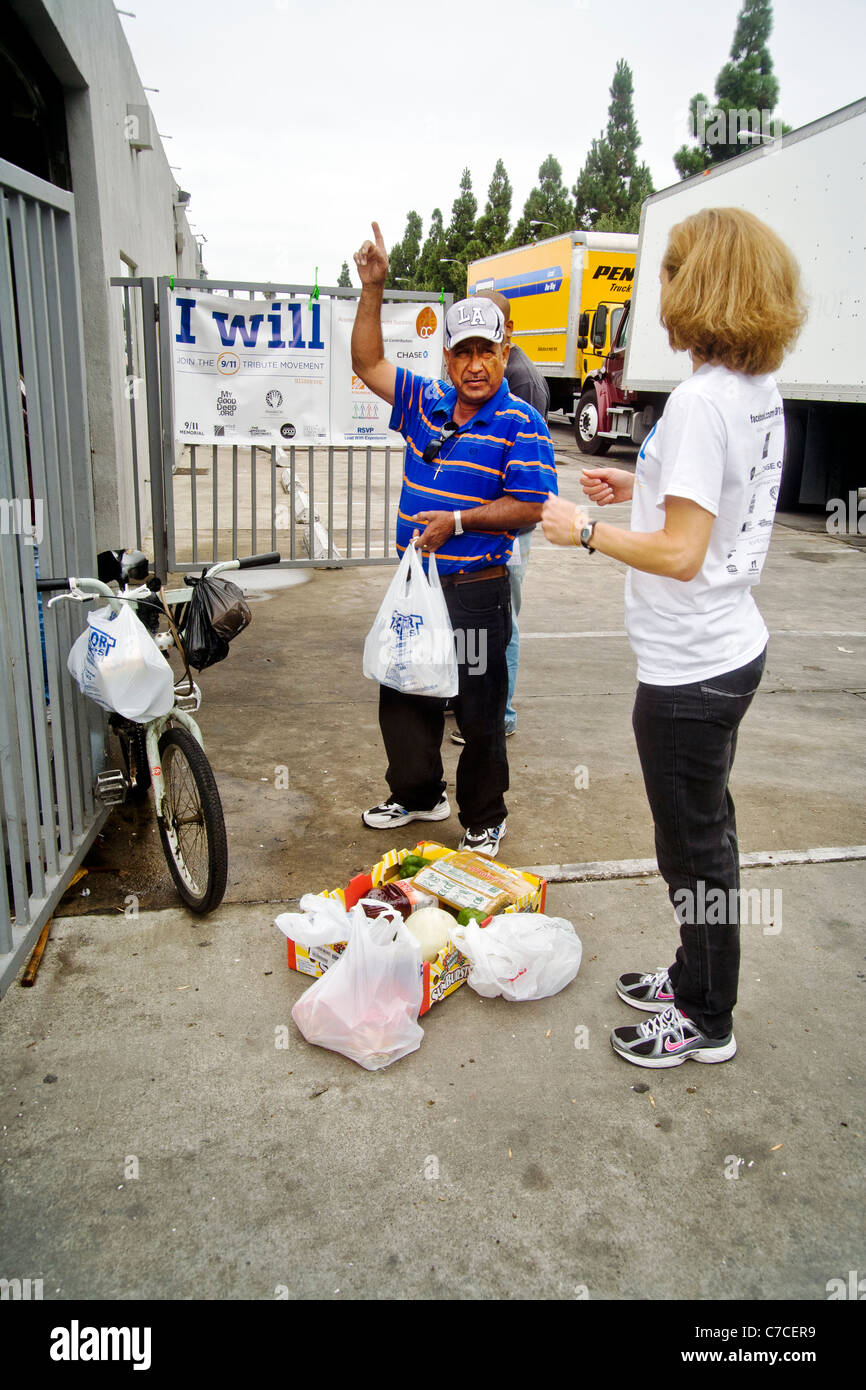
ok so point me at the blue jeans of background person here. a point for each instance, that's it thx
(412, 725)
(516, 575)
(686, 740)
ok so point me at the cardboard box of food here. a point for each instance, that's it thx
(467, 880)
(450, 968)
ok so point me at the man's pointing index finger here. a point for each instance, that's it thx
(380, 240)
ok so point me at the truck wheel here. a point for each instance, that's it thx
(586, 425)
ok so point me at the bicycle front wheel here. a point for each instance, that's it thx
(192, 828)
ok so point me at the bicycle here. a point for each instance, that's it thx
(167, 753)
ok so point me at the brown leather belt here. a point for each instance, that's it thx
(471, 576)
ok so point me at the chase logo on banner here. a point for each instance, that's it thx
(411, 337)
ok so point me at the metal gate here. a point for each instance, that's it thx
(49, 737)
(319, 506)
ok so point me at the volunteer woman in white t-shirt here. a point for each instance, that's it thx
(704, 495)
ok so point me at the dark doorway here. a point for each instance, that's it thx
(32, 106)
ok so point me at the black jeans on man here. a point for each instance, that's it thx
(412, 725)
(686, 739)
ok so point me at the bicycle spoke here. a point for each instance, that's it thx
(184, 810)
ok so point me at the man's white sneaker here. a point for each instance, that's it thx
(484, 841)
(391, 813)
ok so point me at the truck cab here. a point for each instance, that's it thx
(603, 412)
(596, 335)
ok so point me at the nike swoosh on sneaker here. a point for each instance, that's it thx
(675, 1047)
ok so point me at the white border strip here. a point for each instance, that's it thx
(774, 632)
(607, 870)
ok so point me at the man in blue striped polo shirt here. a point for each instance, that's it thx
(479, 466)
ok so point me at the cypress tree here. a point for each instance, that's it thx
(491, 229)
(428, 275)
(746, 96)
(547, 203)
(403, 258)
(458, 237)
(612, 183)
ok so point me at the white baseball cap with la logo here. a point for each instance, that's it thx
(474, 318)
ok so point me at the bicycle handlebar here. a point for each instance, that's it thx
(272, 557)
(96, 587)
(46, 586)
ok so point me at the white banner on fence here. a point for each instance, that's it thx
(412, 334)
(250, 371)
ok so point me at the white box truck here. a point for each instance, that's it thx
(810, 187)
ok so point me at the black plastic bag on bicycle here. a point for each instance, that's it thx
(217, 612)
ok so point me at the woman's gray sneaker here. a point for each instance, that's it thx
(654, 993)
(668, 1040)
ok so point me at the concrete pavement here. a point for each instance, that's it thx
(159, 1142)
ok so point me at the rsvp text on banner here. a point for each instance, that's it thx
(250, 371)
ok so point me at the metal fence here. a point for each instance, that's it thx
(141, 364)
(327, 506)
(50, 738)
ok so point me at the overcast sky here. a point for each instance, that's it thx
(296, 123)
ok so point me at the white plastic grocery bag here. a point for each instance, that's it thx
(411, 644)
(117, 663)
(366, 1004)
(322, 921)
(520, 955)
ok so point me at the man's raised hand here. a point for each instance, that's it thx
(372, 259)
(368, 350)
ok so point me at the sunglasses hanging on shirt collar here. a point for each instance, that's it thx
(431, 453)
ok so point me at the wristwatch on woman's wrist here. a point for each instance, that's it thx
(586, 536)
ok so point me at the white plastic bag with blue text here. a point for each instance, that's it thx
(117, 663)
(410, 646)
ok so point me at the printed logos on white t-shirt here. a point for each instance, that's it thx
(762, 491)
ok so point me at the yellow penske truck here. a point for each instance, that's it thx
(567, 296)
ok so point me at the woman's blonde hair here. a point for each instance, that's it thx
(734, 293)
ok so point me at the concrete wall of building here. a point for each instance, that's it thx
(128, 222)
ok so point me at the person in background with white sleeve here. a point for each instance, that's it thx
(703, 500)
